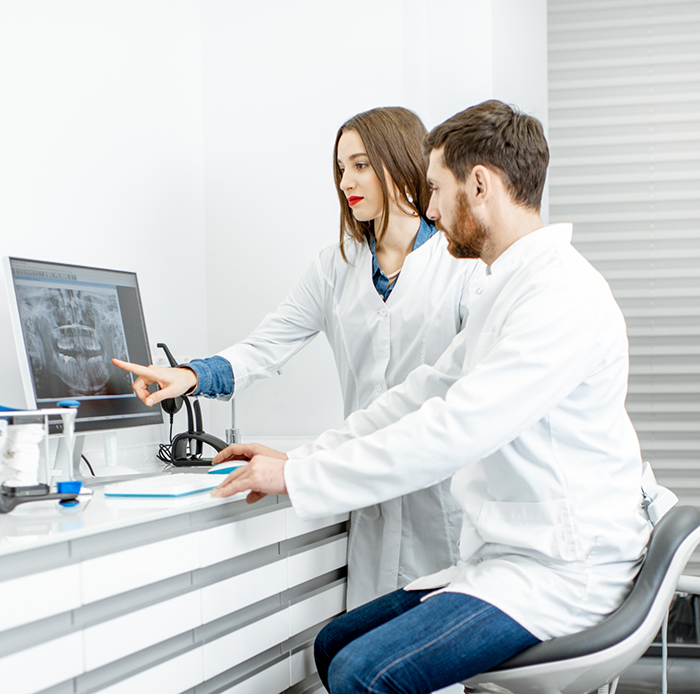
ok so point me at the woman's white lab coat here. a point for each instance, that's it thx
(375, 345)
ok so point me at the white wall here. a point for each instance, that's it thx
(191, 141)
(519, 53)
(279, 79)
(101, 155)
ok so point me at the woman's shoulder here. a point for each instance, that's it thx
(331, 261)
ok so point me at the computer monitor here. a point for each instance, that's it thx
(69, 322)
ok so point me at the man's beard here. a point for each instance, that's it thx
(468, 235)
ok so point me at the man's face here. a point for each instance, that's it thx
(452, 212)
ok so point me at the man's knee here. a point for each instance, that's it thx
(355, 670)
(328, 641)
(344, 672)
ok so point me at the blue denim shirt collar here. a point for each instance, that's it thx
(381, 281)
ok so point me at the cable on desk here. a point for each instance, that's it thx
(165, 453)
(165, 450)
(87, 462)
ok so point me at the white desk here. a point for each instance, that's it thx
(131, 595)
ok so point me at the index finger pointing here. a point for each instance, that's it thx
(133, 368)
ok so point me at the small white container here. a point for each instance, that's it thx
(24, 445)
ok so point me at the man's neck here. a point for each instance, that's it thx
(510, 226)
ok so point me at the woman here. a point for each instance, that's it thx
(389, 298)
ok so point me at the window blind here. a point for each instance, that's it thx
(624, 132)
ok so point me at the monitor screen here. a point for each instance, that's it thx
(69, 322)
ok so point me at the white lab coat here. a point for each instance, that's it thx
(526, 411)
(375, 345)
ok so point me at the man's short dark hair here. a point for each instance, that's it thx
(498, 137)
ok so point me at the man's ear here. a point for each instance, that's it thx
(482, 183)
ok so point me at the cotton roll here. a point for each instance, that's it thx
(22, 452)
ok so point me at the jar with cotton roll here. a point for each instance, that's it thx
(25, 472)
(22, 455)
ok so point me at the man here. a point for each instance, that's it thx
(525, 411)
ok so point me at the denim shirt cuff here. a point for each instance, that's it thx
(214, 377)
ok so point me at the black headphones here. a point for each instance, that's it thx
(186, 448)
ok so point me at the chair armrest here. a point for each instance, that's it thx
(689, 584)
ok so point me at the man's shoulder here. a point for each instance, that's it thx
(434, 250)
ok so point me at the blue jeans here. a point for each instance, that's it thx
(400, 645)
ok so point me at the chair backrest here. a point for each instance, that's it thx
(671, 543)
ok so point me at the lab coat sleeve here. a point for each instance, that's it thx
(551, 340)
(425, 381)
(280, 335)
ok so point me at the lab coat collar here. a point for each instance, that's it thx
(531, 244)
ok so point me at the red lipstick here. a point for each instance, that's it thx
(353, 200)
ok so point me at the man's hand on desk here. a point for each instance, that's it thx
(172, 382)
(263, 475)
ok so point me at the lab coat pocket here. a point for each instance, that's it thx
(543, 527)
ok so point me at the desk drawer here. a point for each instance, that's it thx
(122, 571)
(240, 537)
(302, 665)
(271, 681)
(309, 612)
(240, 645)
(35, 597)
(317, 561)
(117, 638)
(42, 666)
(245, 589)
(171, 677)
(296, 526)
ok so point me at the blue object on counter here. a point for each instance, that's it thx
(69, 487)
(68, 403)
(224, 468)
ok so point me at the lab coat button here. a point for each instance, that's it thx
(383, 312)
(479, 290)
(379, 387)
(401, 571)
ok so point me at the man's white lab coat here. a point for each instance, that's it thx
(525, 411)
(375, 345)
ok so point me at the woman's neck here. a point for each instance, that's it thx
(397, 241)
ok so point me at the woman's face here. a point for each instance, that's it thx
(359, 181)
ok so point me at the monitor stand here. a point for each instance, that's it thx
(70, 469)
(111, 468)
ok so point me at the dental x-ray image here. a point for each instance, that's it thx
(71, 336)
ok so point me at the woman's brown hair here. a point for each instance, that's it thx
(393, 139)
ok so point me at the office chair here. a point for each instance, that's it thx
(590, 660)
